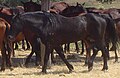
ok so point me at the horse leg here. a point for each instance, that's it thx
(28, 58)
(59, 50)
(16, 46)
(13, 52)
(35, 49)
(48, 50)
(104, 52)
(10, 50)
(116, 56)
(28, 45)
(23, 45)
(65, 46)
(52, 57)
(90, 62)
(82, 47)
(3, 53)
(77, 48)
(68, 47)
(88, 53)
(108, 55)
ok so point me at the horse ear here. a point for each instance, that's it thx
(22, 2)
(77, 4)
(83, 3)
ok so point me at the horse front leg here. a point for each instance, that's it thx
(59, 50)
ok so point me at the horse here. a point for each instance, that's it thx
(55, 30)
(31, 6)
(4, 45)
(79, 9)
(20, 37)
(13, 11)
(58, 6)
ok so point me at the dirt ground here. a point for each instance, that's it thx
(59, 70)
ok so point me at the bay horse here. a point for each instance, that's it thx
(55, 30)
(4, 45)
(20, 37)
(13, 11)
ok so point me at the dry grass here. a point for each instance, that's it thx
(59, 70)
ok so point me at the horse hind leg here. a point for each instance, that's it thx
(101, 46)
(82, 43)
(23, 45)
(90, 62)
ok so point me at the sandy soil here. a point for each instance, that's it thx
(59, 70)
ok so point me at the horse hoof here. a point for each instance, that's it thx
(2, 69)
(11, 68)
(27, 48)
(43, 72)
(70, 71)
(71, 67)
(85, 65)
(105, 69)
(116, 61)
(90, 68)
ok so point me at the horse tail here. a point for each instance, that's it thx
(111, 32)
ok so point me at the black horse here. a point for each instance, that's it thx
(111, 37)
(55, 30)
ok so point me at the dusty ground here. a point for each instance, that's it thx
(59, 70)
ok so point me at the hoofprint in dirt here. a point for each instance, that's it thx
(60, 70)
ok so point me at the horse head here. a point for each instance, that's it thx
(31, 6)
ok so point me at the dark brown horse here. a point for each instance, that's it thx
(31, 6)
(55, 30)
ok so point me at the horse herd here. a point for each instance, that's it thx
(97, 28)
